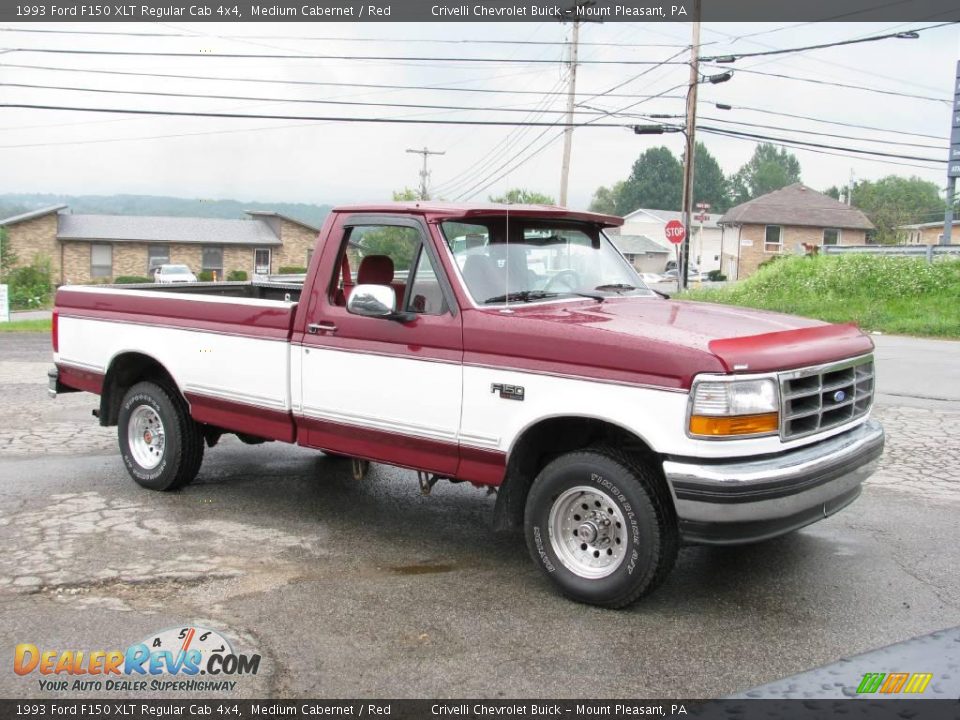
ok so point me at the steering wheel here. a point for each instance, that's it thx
(570, 278)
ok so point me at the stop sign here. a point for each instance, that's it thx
(675, 232)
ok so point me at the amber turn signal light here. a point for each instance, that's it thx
(710, 426)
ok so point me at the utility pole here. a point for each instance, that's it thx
(690, 135)
(850, 189)
(953, 165)
(424, 173)
(571, 98)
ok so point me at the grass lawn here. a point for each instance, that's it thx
(890, 294)
(26, 326)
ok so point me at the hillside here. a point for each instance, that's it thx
(15, 203)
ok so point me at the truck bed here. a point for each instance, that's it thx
(226, 345)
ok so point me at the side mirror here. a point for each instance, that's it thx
(377, 301)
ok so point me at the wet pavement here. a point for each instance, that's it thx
(367, 589)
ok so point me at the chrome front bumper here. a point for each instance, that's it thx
(743, 500)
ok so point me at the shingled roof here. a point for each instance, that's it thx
(796, 205)
(141, 228)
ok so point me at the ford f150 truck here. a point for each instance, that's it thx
(511, 347)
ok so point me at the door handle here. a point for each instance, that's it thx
(321, 327)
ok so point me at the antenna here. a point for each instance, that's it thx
(506, 261)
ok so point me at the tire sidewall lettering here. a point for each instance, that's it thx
(629, 514)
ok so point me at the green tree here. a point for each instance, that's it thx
(894, 200)
(8, 258)
(655, 183)
(405, 195)
(522, 196)
(605, 199)
(709, 183)
(770, 168)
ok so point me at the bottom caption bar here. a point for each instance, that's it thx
(572, 709)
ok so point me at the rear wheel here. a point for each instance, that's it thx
(600, 525)
(160, 443)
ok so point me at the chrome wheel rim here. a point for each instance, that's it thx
(146, 437)
(587, 532)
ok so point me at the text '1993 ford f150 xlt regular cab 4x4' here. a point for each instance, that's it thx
(506, 346)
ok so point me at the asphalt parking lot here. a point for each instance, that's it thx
(367, 589)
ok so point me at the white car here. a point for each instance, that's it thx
(173, 274)
(651, 278)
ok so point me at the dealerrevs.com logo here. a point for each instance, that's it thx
(179, 659)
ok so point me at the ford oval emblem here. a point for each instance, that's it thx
(839, 396)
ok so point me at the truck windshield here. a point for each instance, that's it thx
(543, 260)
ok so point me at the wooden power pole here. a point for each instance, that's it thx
(571, 99)
(424, 173)
(691, 137)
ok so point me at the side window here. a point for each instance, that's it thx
(426, 297)
(387, 255)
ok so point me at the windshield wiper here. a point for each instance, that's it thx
(616, 286)
(521, 296)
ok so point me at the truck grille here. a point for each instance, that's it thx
(823, 397)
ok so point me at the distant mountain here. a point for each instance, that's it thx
(15, 203)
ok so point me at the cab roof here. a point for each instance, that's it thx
(445, 211)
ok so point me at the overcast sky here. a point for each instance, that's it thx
(335, 162)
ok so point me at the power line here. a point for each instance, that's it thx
(852, 41)
(802, 143)
(835, 84)
(511, 139)
(607, 93)
(262, 56)
(244, 116)
(823, 134)
(272, 81)
(475, 189)
(155, 93)
(835, 122)
(820, 151)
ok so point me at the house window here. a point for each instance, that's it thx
(157, 255)
(773, 238)
(212, 261)
(101, 261)
(831, 236)
(261, 261)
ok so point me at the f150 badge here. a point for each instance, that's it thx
(508, 392)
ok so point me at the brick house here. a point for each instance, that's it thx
(92, 248)
(786, 222)
(928, 233)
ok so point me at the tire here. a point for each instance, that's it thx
(160, 443)
(619, 547)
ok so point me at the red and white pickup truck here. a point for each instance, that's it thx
(507, 346)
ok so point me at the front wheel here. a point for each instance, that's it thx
(600, 525)
(160, 443)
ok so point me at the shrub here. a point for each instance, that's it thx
(292, 270)
(30, 285)
(237, 276)
(131, 279)
(716, 276)
(205, 276)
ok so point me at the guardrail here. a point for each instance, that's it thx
(930, 252)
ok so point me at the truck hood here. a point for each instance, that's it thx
(674, 339)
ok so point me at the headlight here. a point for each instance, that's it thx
(734, 407)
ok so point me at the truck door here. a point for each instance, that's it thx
(380, 388)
